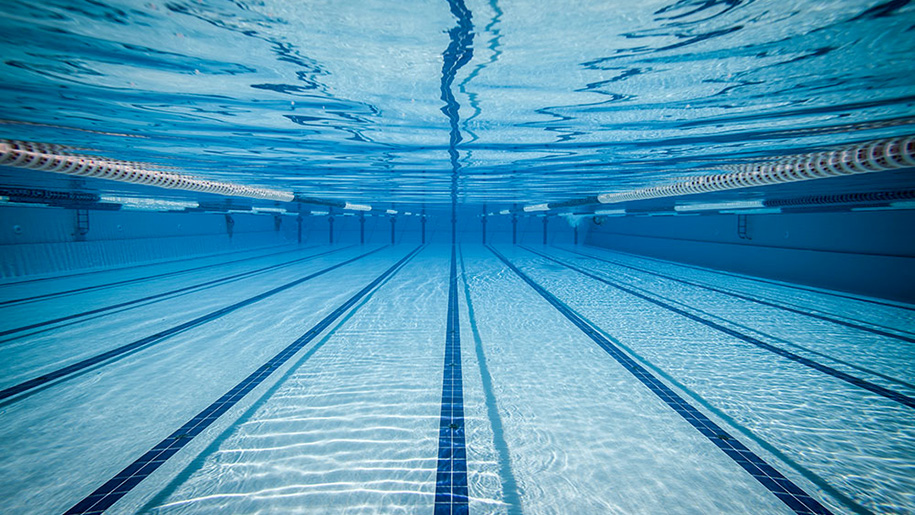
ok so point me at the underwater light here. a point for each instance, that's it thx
(505, 211)
(277, 210)
(357, 207)
(149, 204)
(536, 207)
(610, 212)
(760, 211)
(391, 211)
(320, 213)
(715, 206)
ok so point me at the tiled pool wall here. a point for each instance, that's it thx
(861, 252)
(855, 251)
(372, 376)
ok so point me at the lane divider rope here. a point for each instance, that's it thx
(57, 159)
(869, 157)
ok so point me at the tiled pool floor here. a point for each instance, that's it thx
(416, 380)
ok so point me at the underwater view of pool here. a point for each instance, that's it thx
(457, 256)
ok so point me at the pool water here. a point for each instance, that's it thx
(436, 257)
(551, 421)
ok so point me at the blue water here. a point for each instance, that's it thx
(373, 102)
(299, 359)
(553, 424)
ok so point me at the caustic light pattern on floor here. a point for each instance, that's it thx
(440, 379)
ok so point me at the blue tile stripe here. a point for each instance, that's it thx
(776, 305)
(451, 476)
(135, 280)
(783, 488)
(892, 395)
(148, 298)
(156, 338)
(118, 486)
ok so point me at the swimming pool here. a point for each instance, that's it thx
(457, 257)
(553, 418)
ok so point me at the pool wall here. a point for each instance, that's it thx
(859, 252)
(47, 240)
(39, 240)
(855, 251)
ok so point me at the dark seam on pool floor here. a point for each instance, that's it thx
(231, 427)
(166, 262)
(783, 488)
(857, 367)
(838, 374)
(708, 407)
(835, 359)
(818, 291)
(751, 299)
(451, 491)
(860, 368)
(164, 294)
(511, 495)
(138, 279)
(158, 337)
(757, 245)
(128, 478)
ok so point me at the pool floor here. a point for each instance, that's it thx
(440, 379)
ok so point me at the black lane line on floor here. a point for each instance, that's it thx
(831, 293)
(857, 367)
(162, 335)
(758, 244)
(892, 395)
(124, 481)
(165, 294)
(783, 488)
(757, 301)
(164, 494)
(451, 491)
(144, 265)
(138, 279)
